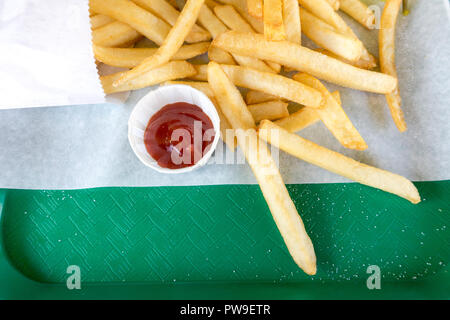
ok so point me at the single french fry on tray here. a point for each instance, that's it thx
(115, 34)
(338, 163)
(387, 58)
(171, 44)
(131, 57)
(358, 11)
(136, 17)
(324, 36)
(168, 13)
(269, 110)
(274, 84)
(273, 20)
(333, 116)
(303, 59)
(264, 167)
(169, 71)
(255, 8)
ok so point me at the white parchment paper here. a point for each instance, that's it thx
(86, 146)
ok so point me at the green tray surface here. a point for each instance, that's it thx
(221, 242)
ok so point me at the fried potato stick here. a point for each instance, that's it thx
(171, 44)
(131, 57)
(387, 58)
(266, 172)
(306, 60)
(338, 163)
(170, 71)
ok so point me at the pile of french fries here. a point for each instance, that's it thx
(248, 42)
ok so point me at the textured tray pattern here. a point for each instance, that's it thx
(223, 233)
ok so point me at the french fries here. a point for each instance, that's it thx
(277, 85)
(255, 8)
(323, 10)
(220, 56)
(115, 34)
(241, 7)
(266, 172)
(234, 21)
(171, 44)
(202, 72)
(131, 57)
(270, 110)
(362, 64)
(169, 71)
(333, 116)
(254, 97)
(358, 11)
(304, 117)
(326, 37)
(299, 120)
(306, 60)
(291, 18)
(168, 13)
(99, 20)
(137, 18)
(338, 163)
(387, 58)
(273, 20)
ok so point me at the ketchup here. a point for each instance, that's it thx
(178, 135)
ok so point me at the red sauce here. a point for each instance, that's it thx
(178, 135)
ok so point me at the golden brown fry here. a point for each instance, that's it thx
(270, 110)
(362, 64)
(306, 60)
(136, 17)
(387, 58)
(326, 37)
(234, 21)
(304, 117)
(299, 120)
(338, 163)
(241, 6)
(333, 116)
(291, 18)
(211, 3)
(100, 20)
(323, 10)
(225, 127)
(202, 72)
(255, 8)
(254, 97)
(115, 34)
(274, 84)
(220, 56)
(169, 71)
(358, 11)
(273, 20)
(266, 172)
(168, 13)
(210, 22)
(172, 43)
(131, 57)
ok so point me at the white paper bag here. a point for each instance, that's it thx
(46, 56)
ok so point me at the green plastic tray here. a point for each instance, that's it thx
(220, 242)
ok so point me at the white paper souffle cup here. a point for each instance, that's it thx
(152, 103)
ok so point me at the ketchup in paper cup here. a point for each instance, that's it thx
(174, 129)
